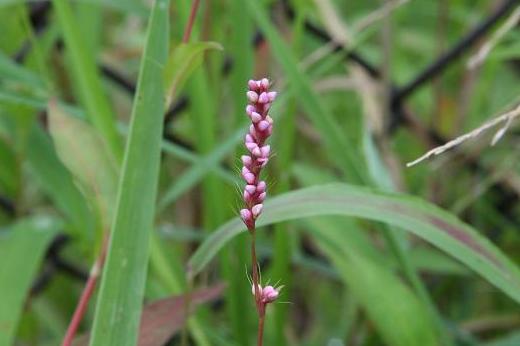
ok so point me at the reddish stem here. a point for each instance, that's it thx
(260, 306)
(261, 319)
(81, 308)
(191, 20)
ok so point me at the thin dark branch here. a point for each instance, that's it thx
(445, 60)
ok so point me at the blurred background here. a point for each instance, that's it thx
(364, 88)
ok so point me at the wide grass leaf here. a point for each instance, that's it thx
(120, 299)
(86, 156)
(399, 316)
(414, 215)
(22, 249)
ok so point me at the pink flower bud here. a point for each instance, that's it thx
(249, 178)
(247, 160)
(250, 188)
(245, 215)
(261, 186)
(250, 109)
(271, 95)
(256, 151)
(249, 139)
(247, 197)
(263, 98)
(261, 197)
(263, 125)
(252, 84)
(269, 119)
(269, 294)
(255, 117)
(264, 83)
(252, 96)
(251, 146)
(265, 150)
(257, 210)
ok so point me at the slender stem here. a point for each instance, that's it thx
(260, 307)
(254, 264)
(81, 308)
(191, 20)
(261, 320)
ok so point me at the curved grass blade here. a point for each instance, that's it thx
(24, 247)
(414, 215)
(120, 299)
(405, 323)
(89, 82)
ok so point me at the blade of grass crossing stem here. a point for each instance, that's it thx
(242, 71)
(89, 85)
(24, 245)
(120, 298)
(414, 215)
(339, 148)
(284, 139)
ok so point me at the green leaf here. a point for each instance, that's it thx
(88, 80)
(182, 61)
(414, 215)
(122, 287)
(22, 248)
(396, 312)
(57, 182)
(86, 156)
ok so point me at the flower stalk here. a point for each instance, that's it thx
(255, 190)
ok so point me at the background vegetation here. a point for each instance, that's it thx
(111, 124)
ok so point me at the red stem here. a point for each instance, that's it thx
(191, 20)
(260, 306)
(261, 319)
(81, 308)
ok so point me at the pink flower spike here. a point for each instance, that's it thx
(250, 188)
(249, 178)
(271, 95)
(245, 215)
(263, 125)
(255, 117)
(252, 96)
(257, 210)
(263, 98)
